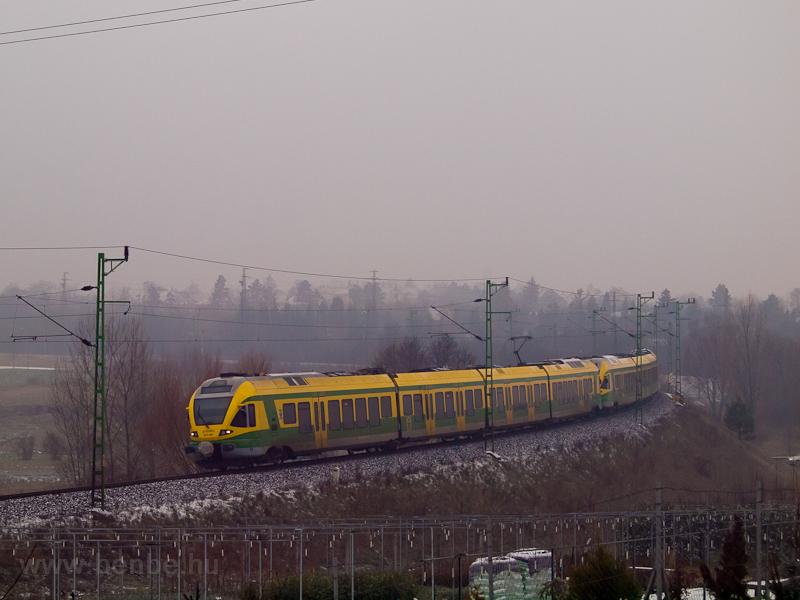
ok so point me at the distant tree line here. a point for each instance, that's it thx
(739, 353)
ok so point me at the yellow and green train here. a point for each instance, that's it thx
(239, 419)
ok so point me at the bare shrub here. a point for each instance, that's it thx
(53, 445)
(24, 445)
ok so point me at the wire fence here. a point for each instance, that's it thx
(158, 562)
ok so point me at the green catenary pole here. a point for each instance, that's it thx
(105, 266)
(488, 380)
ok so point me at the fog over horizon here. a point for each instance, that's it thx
(616, 144)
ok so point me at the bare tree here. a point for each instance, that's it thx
(72, 406)
(444, 351)
(710, 352)
(403, 356)
(128, 401)
(166, 430)
(749, 330)
(129, 396)
(253, 362)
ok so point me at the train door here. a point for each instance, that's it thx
(320, 423)
(430, 414)
(461, 423)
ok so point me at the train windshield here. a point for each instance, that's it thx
(211, 411)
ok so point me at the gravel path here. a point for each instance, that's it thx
(194, 495)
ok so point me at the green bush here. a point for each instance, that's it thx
(368, 586)
(602, 577)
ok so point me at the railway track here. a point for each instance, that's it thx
(337, 458)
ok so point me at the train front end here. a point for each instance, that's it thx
(224, 418)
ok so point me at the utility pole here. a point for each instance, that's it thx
(243, 295)
(640, 302)
(658, 576)
(105, 266)
(669, 356)
(594, 329)
(488, 379)
(614, 316)
(678, 397)
(759, 570)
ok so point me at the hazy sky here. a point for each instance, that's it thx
(635, 144)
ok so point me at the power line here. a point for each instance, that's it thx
(59, 247)
(227, 12)
(542, 287)
(288, 272)
(142, 14)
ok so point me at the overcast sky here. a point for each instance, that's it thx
(634, 144)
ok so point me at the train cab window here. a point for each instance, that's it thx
(347, 414)
(374, 412)
(501, 402)
(333, 414)
(523, 397)
(418, 414)
(289, 414)
(386, 407)
(449, 407)
(439, 397)
(304, 417)
(469, 404)
(478, 399)
(245, 417)
(361, 412)
(240, 419)
(408, 407)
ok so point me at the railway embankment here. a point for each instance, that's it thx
(609, 463)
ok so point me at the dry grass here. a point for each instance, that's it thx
(696, 461)
(23, 412)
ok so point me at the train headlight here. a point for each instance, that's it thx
(193, 434)
(225, 432)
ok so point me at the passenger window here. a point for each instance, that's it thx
(470, 406)
(386, 407)
(361, 412)
(374, 413)
(304, 417)
(515, 396)
(347, 414)
(501, 402)
(418, 414)
(408, 407)
(448, 402)
(523, 397)
(478, 398)
(289, 414)
(333, 415)
(439, 405)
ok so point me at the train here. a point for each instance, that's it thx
(238, 419)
